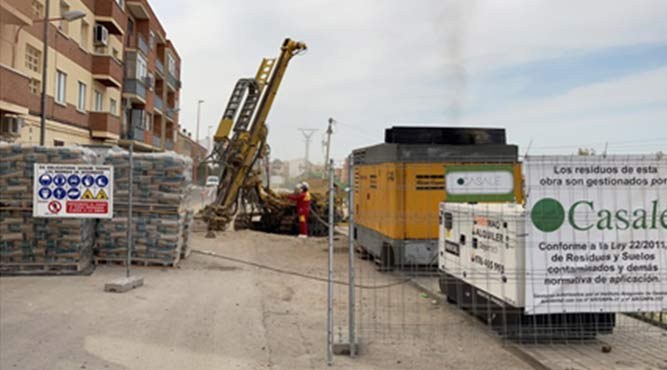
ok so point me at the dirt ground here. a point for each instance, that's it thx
(213, 313)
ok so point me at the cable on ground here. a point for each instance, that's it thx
(298, 274)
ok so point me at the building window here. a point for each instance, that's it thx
(58, 143)
(34, 85)
(85, 31)
(98, 101)
(152, 40)
(112, 106)
(61, 87)
(130, 31)
(64, 25)
(147, 121)
(141, 67)
(37, 9)
(33, 58)
(81, 102)
(171, 63)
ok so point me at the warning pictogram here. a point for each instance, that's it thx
(101, 195)
(55, 206)
(72, 190)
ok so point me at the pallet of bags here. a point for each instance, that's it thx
(159, 199)
(187, 228)
(30, 245)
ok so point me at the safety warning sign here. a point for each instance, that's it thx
(75, 191)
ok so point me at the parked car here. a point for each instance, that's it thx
(212, 181)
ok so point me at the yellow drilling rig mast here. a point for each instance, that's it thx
(240, 141)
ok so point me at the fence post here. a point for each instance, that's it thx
(130, 241)
(351, 302)
(331, 257)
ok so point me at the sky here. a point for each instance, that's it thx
(557, 75)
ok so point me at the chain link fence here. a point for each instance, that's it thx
(564, 281)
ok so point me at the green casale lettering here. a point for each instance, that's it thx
(604, 220)
(640, 220)
(621, 219)
(572, 212)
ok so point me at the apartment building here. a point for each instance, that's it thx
(106, 77)
(186, 146)
(152, 84)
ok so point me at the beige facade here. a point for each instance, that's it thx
(93, 90)
(76, 98)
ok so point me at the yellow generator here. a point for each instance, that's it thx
(399, 185)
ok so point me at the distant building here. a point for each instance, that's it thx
(185, 145)
(296, 167)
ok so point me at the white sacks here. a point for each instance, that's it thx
(38, 245)
(160, 189)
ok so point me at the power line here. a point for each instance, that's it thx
(615, 143)
(307, 135)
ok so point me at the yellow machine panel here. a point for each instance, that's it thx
(401, 200)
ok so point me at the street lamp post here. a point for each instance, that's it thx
(199, 103)
(67, 16)
(208, 150)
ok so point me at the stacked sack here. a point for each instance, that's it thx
(38, 245)
(160, 188)
(187, 227)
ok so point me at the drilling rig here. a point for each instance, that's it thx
(240, 142)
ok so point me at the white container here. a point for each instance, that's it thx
(483, 245)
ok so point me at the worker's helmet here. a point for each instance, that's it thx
(304, 185)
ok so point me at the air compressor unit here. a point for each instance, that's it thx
(482, 259)
(398, 185)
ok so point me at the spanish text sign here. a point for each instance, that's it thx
(75, 191)
(597, 234)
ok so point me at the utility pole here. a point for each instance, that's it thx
(308, 135)
(328, 144)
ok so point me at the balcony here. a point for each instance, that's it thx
(157, 103)
(107, 70)
(14, 91)
(159, 67)
(111, 15)
(18, 12)
(104, 125)
(138, 42)
(138, 134)
(173, 82)
(157, 141)
(138, 8)
(134, 90)
(170, 114)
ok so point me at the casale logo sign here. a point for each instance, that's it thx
(480, 182)
(548, 215)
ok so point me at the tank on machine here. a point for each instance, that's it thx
(400, 183)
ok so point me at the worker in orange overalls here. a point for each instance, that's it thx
(302, 200)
